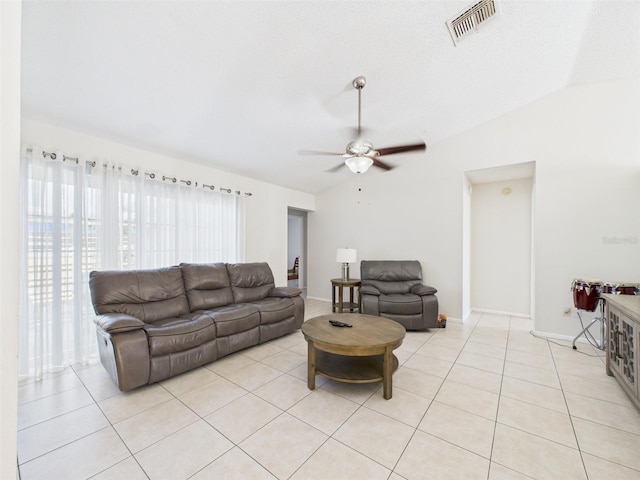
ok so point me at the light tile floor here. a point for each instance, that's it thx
(482, 400)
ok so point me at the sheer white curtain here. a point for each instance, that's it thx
(59, 206)
(77, 217)
(180, 223)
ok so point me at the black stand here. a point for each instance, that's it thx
(587, 334)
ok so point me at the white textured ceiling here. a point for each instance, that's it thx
(242, 86)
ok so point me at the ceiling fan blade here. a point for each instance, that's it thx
(315, 152)
(401, 149)
(380, 164)
(336, 168)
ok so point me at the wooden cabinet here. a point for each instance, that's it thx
(621, 352)
(623, 328)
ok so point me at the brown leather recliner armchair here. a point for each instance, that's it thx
(394, 289)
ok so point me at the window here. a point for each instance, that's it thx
(76, 218)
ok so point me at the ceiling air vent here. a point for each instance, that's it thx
(470, 19)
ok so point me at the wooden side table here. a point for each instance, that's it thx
(340, 306)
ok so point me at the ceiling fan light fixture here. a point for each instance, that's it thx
(358, 164)
(359, 147)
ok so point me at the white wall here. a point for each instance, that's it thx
(585, 142)
(10, 15)
(266, 211)
(501, 246)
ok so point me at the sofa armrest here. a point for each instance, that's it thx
(369, 290)
(118, 322)
(423, 290)
(125, 356)
(285, 292)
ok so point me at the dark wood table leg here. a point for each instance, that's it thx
(350, 298)
(340, 299)
(333, 299)
(311, 367)
(387, 373)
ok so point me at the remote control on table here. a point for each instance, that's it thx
(336, 323)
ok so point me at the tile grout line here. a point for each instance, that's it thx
(564, 396)
(416, 428)
(495, 423)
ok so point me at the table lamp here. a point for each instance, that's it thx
(346, 256)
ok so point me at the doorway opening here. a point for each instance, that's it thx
(297, 248)
(498, 266)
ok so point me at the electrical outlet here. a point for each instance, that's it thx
(566, 312)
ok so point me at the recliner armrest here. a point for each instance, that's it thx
(369, 290)
(118, 322)
(423, 290)
(284, 292)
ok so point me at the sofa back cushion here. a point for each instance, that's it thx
(391, 276)
(207, 285)
(250, 281)
(149, 295)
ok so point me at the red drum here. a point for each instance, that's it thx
(628, 289)
(611, 288)
(586, 293)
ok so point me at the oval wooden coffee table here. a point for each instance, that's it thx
(360, 354)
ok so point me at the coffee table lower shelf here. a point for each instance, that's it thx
(350, 369)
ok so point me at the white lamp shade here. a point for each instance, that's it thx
(358, 164)
(346, 255)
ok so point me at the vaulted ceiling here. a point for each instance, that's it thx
(243, 86)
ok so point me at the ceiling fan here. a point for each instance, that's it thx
(360, 153)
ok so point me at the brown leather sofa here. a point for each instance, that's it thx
(394, 289)
(154, 324)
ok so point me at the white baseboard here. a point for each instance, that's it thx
(454, 320)
(556, 336)
(499, 312)
(328, 300)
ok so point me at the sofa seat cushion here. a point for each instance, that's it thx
(178, 334)
(234, 319)
(401, 304)
(275, 309)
